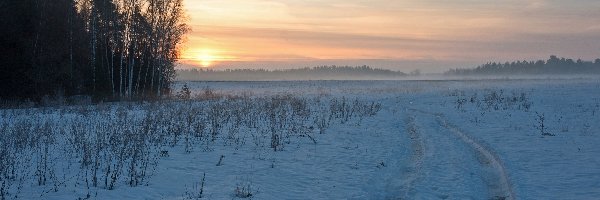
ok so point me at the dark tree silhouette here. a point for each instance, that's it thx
(553, 65)
(110, 49)
(314, 73)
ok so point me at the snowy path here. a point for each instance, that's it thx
(414, 169)
(497, 178)
(448, 164)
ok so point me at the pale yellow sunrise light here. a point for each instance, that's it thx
(205, 58)
(201, 58)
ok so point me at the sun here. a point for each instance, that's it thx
(205, 58)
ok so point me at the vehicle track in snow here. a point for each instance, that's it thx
(497, 179)
(447, 163)
(413, 171)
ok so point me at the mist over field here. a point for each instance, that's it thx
(553, 68)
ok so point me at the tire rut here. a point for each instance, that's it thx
(414, 170)
(494, 174)
(497, 180)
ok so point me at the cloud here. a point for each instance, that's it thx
(286, 40)
(462, 30)
(536, 4)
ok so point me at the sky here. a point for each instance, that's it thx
(405, 35)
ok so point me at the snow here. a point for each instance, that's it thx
(448, 139)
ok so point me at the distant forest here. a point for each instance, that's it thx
(553, 66)
(314, 73)
(109, 49)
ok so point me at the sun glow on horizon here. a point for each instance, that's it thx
(239, 33)
(204, 58)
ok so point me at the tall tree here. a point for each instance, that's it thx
(105, 48)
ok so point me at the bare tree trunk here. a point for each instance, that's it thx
(112, 66)
(121, 80)
(160, 76)
(71, 17)
(137, 78)
(93, 58)
(144, 88)
(131, 67)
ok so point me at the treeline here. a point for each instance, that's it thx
(552, 66)
(110, 49)
(308, 73)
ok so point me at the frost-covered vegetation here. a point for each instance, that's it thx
(106, 146)
(488, 139)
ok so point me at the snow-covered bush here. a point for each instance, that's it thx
(493, 100)
(107, 146)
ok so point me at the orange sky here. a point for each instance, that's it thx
(430, 35)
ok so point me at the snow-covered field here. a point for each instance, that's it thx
(489, 139)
